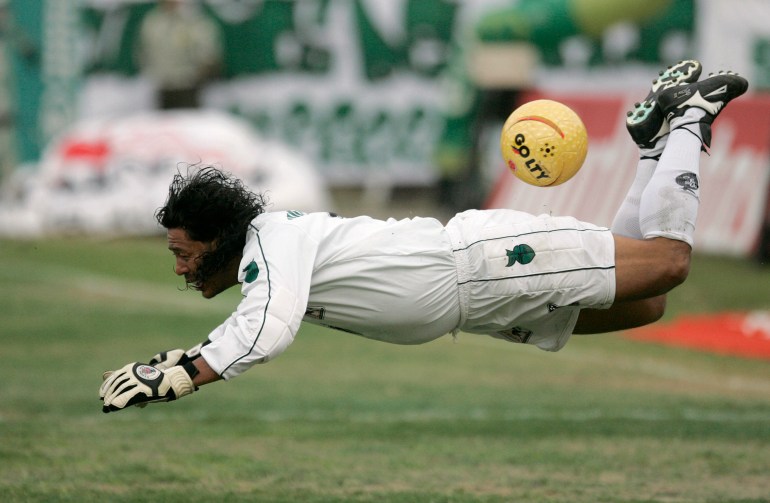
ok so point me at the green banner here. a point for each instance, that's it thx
(363, 87)
(23, 34)
(41, 38)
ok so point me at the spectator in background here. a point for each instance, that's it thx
(180, 49)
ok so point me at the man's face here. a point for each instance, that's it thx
(188, 254)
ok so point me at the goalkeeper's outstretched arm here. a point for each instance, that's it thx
(205, 373)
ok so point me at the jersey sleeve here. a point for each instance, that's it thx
(275, 273)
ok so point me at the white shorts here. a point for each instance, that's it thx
(524, 278)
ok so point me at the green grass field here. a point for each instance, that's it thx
(341, 418)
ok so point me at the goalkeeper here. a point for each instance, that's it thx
(515, 276)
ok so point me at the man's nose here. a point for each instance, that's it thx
(180, 267)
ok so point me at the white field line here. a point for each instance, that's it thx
(421, 416)
(96, 288)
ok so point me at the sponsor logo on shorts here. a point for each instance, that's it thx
(516, 334)
(553, 307)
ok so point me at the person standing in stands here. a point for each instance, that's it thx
(179, 50)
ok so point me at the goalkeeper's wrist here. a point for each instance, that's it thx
(191, 369)
(181, 379)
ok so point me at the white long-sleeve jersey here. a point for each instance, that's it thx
(393, 280)
(504, 273)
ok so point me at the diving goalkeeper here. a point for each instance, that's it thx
(510, 275)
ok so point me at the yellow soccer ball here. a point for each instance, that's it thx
(544, 143)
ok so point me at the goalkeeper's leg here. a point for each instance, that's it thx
(649, 129)
(648, 268)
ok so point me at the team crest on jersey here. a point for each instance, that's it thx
(523, 254)
(252, 271)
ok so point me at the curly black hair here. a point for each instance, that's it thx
(212, 206)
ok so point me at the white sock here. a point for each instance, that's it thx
(669, 203)
(626, 221)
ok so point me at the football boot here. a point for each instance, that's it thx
(645, 123)
(710, 95)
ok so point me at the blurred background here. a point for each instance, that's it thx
(359, 106)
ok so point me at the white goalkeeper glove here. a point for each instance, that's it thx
(163, 361)
(139, 383)
(167, 359)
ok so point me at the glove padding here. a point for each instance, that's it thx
(167, 359)
(137, 383)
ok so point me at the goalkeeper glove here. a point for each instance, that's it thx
(139, 383)
(163, 361)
